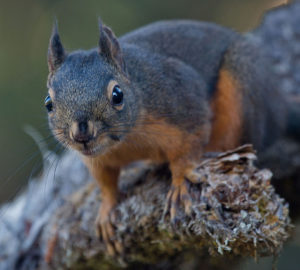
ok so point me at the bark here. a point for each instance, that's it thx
(236, 213)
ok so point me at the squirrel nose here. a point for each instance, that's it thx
(81, 132)
(83, 127)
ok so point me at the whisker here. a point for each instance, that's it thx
(20, 187)
(57, 147)
(138, 132)
(16, 171)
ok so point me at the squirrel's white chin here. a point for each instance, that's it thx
(99, 149)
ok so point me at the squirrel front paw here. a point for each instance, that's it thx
(105, 229)
(178, 196)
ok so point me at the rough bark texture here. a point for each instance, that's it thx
(236, 211)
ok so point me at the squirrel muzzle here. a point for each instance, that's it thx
(82, 131)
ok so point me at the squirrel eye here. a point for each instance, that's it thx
(117, 95)
(48, 103)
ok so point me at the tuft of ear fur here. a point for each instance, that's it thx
(56, 51)
(109, 47)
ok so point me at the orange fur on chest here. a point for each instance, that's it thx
(227, 112)
(153, 139)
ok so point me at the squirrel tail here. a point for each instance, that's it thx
(284, 53)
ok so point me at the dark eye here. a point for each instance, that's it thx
(117, 96)
(48, 103)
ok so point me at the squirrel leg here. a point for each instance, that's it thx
(108, 182)
(107, 179)
(178, 195)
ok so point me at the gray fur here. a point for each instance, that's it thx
(168, 70)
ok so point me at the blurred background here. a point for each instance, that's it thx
(25, 27)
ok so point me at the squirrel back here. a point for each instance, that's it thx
(212, 51)
(200, 45)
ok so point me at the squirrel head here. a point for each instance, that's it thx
(91, 104)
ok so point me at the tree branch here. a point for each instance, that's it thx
(235, 213)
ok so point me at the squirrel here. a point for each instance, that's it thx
(167, 92)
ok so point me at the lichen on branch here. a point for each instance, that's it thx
(236, 212)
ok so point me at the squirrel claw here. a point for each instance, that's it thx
(177, 197)
(193, 176)
(105, 231)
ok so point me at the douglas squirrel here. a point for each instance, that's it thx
(167, 92)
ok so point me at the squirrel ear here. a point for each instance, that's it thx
(109, 47)
(56, 52)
